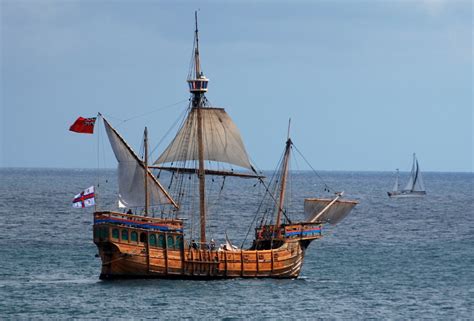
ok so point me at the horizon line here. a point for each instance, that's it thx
(263, 170)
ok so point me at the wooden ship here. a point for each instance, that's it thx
(152, 241)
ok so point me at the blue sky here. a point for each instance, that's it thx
(366, 83)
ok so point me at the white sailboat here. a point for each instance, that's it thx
(414, 187)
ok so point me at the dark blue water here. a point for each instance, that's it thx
(397, 259)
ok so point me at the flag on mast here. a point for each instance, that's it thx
(84, 199)
(83, 125)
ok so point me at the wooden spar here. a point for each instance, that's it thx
(202, 178)
(206, 171)
(145, 163)
(339, 195)
(196, 52)
(283, 182)
(197, 102)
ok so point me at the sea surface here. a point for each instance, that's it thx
(390, 259)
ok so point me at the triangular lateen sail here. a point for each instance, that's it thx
(131, 175)
(221, 137)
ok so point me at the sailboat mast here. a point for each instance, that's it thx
(145, 162)
(197, 87)
(415, 164)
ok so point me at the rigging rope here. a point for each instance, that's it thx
(181, 117)
(146, 113)
(191, 61)
(101, 171)
(274, 181)
(289, 195)
(327, 187)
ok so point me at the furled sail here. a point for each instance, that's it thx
(221, 137)
(333, 215)
(131, 175)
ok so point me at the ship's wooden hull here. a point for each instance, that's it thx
(131, 246)
(140, 261)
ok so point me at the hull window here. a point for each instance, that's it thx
(134, 236)
(104, 233)
(170, 241)
(179, 242)
(124, 235)
(115, 233)
(153, 240)
(161, 241)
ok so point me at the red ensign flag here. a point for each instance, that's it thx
(83, 125)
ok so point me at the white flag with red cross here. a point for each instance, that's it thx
(84, 199)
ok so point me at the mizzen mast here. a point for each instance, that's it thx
(198, 86)
(284, 177)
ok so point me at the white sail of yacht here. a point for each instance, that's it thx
(396, 186)
(415, 183)
(414, 187)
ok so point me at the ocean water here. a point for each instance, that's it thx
(390, 259)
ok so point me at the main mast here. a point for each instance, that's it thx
(197, 87)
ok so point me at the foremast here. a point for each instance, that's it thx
(198, 86)
(145, 164)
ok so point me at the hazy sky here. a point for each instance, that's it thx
(366, 83)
